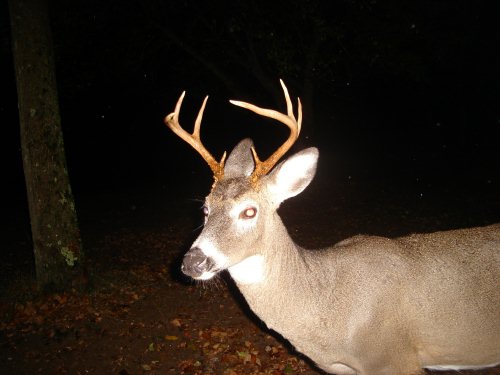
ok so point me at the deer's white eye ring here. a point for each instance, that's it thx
(248, 213)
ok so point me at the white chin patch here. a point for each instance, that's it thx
(205, 276)
(249, 270)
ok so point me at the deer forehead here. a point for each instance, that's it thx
(234, 192)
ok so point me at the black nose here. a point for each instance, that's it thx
(195, 263)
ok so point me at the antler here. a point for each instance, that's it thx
(172, 121)
(263, 167)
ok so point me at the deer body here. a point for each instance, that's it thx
(370, 304)
(367, 305)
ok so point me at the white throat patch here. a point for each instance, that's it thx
(249, 270)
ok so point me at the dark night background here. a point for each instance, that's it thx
(401, 98)
(405, 95)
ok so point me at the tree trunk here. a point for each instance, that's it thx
(56, 237)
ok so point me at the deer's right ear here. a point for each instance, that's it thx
(240, 162)
(293, 175)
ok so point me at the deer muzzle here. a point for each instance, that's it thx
(196, 263)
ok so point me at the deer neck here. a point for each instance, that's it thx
(276, 277)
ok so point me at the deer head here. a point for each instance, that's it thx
(240, 209)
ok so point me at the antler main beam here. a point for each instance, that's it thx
(263, 167)
(172, 121)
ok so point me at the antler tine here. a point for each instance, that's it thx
(263, 167)
(172, 121)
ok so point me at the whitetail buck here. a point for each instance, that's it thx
(367, 305)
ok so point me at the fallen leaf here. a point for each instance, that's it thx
(176, 322)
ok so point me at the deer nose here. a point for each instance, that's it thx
(195, 263)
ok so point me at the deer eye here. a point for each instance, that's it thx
(248, 213)
(205, 211)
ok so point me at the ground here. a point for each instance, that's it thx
(140, 316)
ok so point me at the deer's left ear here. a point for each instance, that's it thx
(293, 175)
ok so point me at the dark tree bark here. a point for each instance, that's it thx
(54, 225)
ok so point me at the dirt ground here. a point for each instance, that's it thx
(140, 316)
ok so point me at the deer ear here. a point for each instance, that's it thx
(240, 161)
(293, 175)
